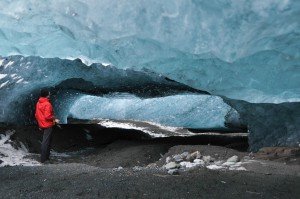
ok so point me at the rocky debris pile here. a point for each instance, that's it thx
(186, 161)
(287, 154)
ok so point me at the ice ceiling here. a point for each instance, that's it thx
(234, 49)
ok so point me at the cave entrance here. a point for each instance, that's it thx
(104, 147)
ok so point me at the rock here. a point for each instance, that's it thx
(199, 161)
(172, 165)
(189, 158)
(234, 158)
(137, 168)
(118, 169)
(184, 155)
(274, 153)
(173, 171)
(214, 167)
(228, 163)
(152, 165)
(168, 159)
(177, 158)
(189, 165)
(207, 159)
(220, 162)
(196, 155)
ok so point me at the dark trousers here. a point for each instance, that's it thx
(46, 144)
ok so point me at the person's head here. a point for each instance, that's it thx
(45, 93)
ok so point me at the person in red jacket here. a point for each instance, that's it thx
(46, 120)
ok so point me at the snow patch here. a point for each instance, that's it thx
(11, 156)
(112, 124)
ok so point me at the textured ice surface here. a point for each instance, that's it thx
(190, 111)
(270, 124)
(243, 49)
(23, 77)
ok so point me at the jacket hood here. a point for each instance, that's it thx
(43, 99)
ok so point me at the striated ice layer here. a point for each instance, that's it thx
(247, 50)
(190, 111)
(22, 78)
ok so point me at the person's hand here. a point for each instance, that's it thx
(56, 121)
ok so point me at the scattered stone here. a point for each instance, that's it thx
(152, 165)
(184, 155)
(277, 153)
(228, 163)
(189, 165)
(173, 171)
(234, 158)
(137, 168)
(220, 162)
(172, 165)
(168, 159)
(196, 155)
(214, 167)
(189, 158)
(177, 158)
(118, 169)
(237, 168)
(207, 159)
(199, 161)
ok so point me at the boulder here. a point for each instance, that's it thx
(172, 165)
(234, 159)
(199, 161)
(177, 158)
(195, 155)
(207, 159)
(173, 171)
(168, 159)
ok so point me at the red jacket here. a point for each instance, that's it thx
(44, 113)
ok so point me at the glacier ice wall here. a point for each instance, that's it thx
(188, 110)
(21, 78)
(270, 124)
(246, 50)
(241, 50)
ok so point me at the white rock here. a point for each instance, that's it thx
(173, 171)
(189, 165)
(151, 165)
(228, 163)
(199, 161)
(168, 159)
(189, 157)
(207, 159)
(172, 165)
(234, 158)
(184, 155)
(214, 167)
(137, 168)
(237, 168)
(220, 162)
(196, 155)
(177, 158)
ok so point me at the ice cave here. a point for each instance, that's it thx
(188, 64)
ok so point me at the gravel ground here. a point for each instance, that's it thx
(87, 177)
(82, 181)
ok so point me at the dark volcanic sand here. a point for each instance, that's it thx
(81, 180)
